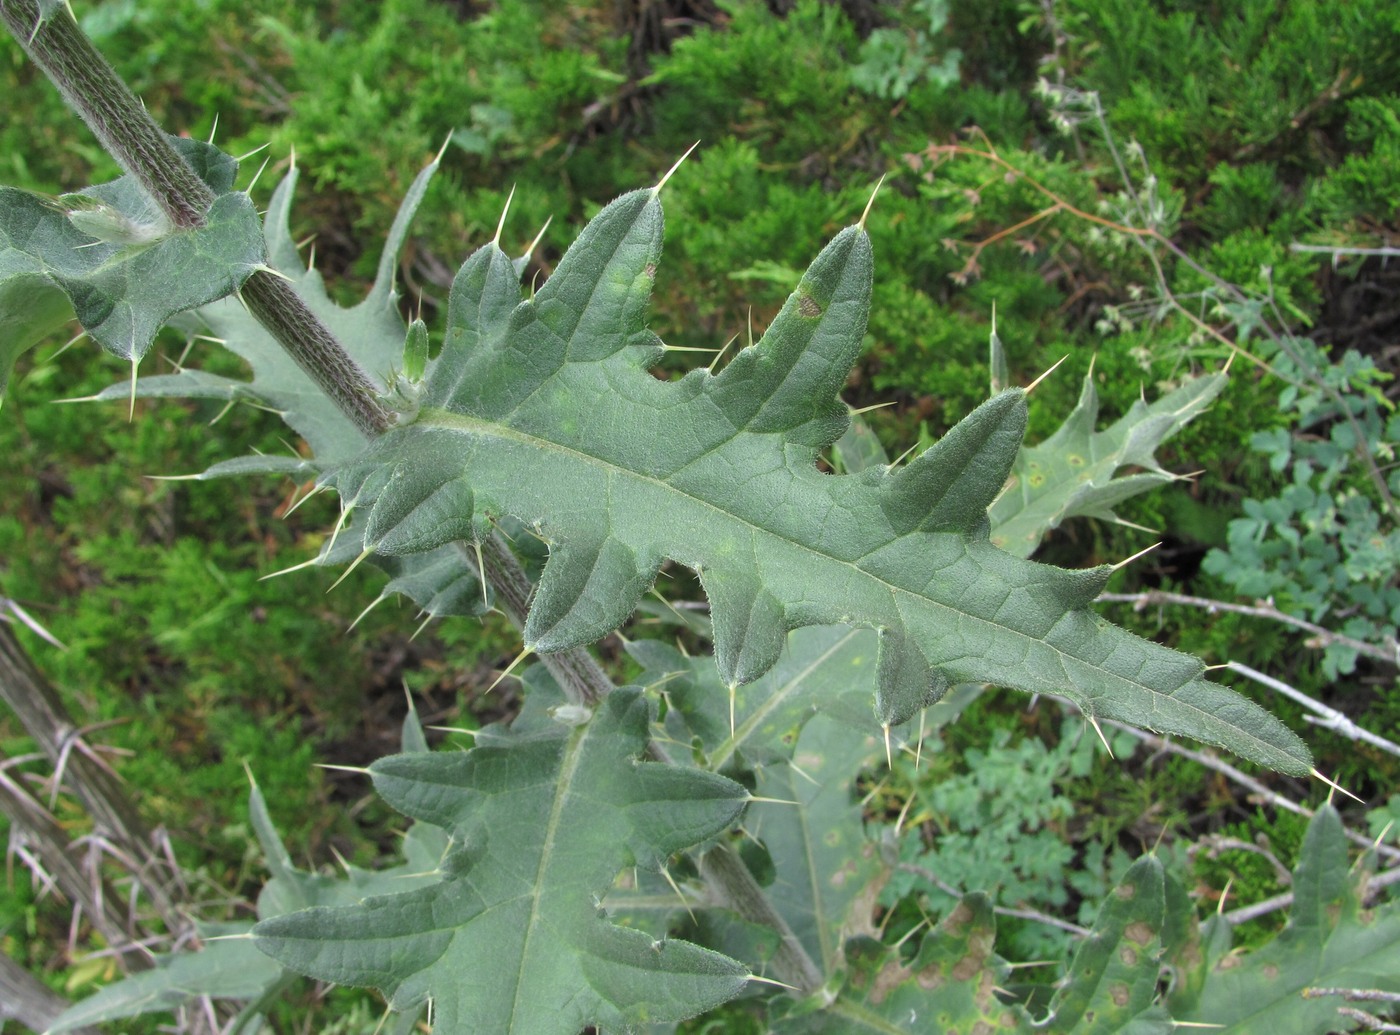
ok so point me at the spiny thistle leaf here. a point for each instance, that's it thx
(31, 309)
(1330, 942)
(229, 968)
(546, 410)
(509, 937)
(229, 965)
(371, 331)
(825, 670)
(1112, 983)
(1073, 473)
(948, 986)
(824, 866)
(124, 270)
(441, 582)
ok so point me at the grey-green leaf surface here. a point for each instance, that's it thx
(1074, 473)
(228, 968)
(124, 271)
(1330, 942)
(372, 332)
(823, 670)
(441, 582)
(510, 936)
(948, 986)
(823, 861)
(31, 309)
(547, 410)
(1112, 983)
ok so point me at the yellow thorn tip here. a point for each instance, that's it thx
(671, 171)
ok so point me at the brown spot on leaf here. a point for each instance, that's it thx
(1119, 995)
(890, 977)
(930, 977)
(966, 968)
(958, 919)
(1139, 933)
(809, 306)
(1128, 956)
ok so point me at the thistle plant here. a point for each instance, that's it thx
(539, 420)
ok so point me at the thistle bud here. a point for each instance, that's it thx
(415, 351)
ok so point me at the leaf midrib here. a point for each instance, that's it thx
(573, 753)
(447, 420)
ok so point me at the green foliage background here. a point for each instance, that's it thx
(1261, 123)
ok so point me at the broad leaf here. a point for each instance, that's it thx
(1330, 942)
(824, 670)
(124, 270)
(509, 938)
(372, 331)
(31, 309)
(546, 411)
(442, 582)
(229, 968)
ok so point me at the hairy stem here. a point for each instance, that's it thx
(577, 671)
(278, 307)
(93, 89)
(129, 134)
(725, 872)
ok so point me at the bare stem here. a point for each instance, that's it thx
(1033, 915)
(1146, 237)
(40, 710)
(25, 999)
(1260, 609)
(1219, 765)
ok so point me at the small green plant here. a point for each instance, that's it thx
(1327, 547)
(629, 858)
(894, 60)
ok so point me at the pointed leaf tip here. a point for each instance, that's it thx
(656, 191)
(949, 486)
